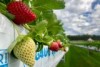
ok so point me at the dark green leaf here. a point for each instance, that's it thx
(5, 1)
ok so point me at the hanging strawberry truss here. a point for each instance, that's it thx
(43, 27)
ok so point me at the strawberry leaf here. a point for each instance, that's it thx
(48, 4)
(5, 1)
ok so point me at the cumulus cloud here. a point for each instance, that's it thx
(78, 5)
(79, 18)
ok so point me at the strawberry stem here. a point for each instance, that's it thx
(15, 0)
(16, 28)
(5, 12)
(3, 6)
(27, 27)
(10, 16)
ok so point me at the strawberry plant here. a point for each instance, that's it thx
(41, 23)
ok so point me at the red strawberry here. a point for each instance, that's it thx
(54, 46)
(59, 43)
(22, 12)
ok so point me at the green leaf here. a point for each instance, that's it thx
(37, 12)
(48, 4)
(40, 28)
(38, 38)
(47, 40)
(2, 6)
(40, 47)
(5, 1)
(39, 31)
(80, 57)
(50, 16)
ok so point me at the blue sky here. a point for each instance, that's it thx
(80, 17)
(95, 3)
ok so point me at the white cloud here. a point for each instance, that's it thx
(78, 6)
(96, 13)
(75, 22)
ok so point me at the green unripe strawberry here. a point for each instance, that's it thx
(25, 51)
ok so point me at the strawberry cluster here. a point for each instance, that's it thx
(25, 49)
(55, 46)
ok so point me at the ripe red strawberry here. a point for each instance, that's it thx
(21, 11)
(59, 43)
(54, 46)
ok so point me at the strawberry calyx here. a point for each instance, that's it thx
(59, 43)
(12, 53)
(18, 39)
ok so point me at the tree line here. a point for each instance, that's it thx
(83, 37)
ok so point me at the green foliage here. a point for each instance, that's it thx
(4, 11)
(43, 5)
(5, 1)
(80, 57)
(44, 10)
(47, 26)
